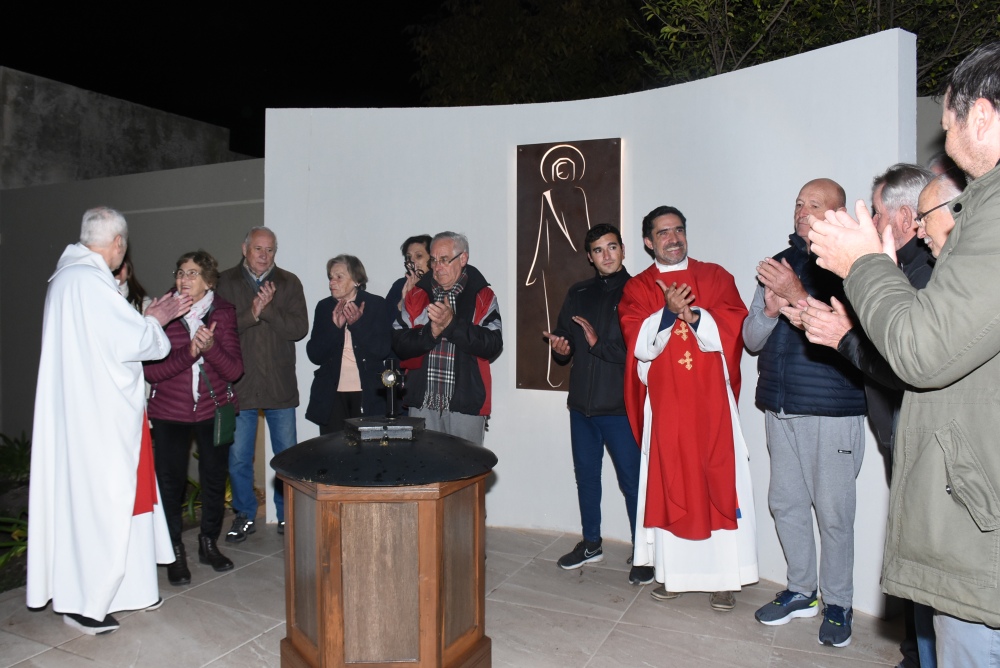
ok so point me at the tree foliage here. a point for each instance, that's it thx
(517, 51)
(690, 39)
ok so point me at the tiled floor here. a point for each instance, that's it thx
(537, 615)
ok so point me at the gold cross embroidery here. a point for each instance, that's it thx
(682, 330)
(686, 360)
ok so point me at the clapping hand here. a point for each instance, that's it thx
(203, 340)
(263, 298)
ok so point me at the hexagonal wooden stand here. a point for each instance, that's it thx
(385, 576)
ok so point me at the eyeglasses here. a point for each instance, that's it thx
(920, 216)
(190, 273)
(435, 261)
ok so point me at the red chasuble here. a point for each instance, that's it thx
(145, 479)
(691, 485)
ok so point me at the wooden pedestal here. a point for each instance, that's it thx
(385, 576)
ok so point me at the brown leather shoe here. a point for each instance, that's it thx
(661, 594)
(722, 600)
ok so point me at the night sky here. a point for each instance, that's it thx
(224, 66)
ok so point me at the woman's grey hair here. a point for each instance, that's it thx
(101, 225)
(461, 241)
(354, 268)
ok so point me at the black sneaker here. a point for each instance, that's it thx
(242, 525)
(91, 627)
(786, 606)
(836, 627)
(585, 552)
(641, 575)
(281, 528)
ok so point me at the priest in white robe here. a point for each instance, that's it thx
(96, 529)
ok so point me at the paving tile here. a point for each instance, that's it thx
(15, 648)
(537, 615)
(258, 588)
(592, 592)
(57, 658)
(184, 632)
(500, 566)
(522, 542)
(43, 626)
(264, 651)
(532, 638)
(692, 614)
(790, 658)
(629, 646)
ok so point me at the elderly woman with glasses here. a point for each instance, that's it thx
(351, 338)
(187, 386)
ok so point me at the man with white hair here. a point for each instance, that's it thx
(97, 529)
(271, 316)
(451, 322)
(934, 220)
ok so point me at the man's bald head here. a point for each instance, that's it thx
(816, 198)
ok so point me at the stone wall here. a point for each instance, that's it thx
(54, 133)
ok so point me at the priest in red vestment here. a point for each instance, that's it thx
(682, 322)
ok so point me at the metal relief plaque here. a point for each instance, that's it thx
(563, 189)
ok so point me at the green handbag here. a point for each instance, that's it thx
(224, 425)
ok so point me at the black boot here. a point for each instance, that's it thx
(208, 553)
(177, 572)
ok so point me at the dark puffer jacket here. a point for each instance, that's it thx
(371, 338)
(597, 379)
(170, 395)
(796, 376)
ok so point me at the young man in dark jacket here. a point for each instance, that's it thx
(588, 333)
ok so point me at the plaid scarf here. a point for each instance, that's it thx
(441, 360)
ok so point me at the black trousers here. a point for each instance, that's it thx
(171, 450)
(345, 405)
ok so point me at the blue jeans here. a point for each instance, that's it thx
(281, 425)
(961, 644)
(923, 623)
(589, 435)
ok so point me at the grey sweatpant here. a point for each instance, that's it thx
(470, 427)
(815, 461)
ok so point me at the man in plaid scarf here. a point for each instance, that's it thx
(451, 322)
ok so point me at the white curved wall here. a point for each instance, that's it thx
(731, 152)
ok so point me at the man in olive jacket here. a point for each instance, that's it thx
(943, 537)
(271, 316)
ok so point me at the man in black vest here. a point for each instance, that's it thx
(814, 406)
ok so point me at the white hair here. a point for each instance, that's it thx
(460, 240)
(261, 228)
(947, 188)
(101, 225)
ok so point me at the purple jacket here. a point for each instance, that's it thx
(170, 396)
